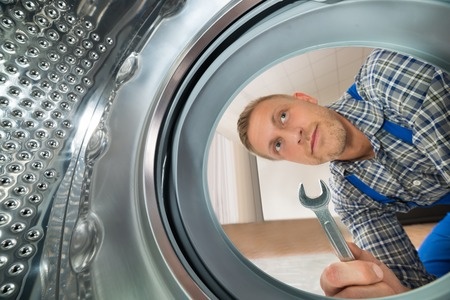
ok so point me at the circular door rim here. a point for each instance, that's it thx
(186, 132)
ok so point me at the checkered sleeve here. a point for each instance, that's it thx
(413, 94)
(375, 228)
(432, 124)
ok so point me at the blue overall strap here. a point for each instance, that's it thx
(367, 190)
(374, 195)
(399, 132)
(396, 130)
(354, 92)
(443, 200)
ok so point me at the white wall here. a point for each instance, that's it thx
(279, 183)
(232, 182)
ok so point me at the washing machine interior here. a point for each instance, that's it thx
(107, 113)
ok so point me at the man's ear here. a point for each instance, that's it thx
(305, 97)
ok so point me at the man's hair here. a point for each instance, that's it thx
(244, 122)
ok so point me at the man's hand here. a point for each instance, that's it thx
(365, 277)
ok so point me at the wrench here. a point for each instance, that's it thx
(319, 206)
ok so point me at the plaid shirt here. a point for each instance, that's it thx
(415, 95)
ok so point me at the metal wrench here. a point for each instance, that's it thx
(320, 207)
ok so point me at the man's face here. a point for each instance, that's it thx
(296, 129)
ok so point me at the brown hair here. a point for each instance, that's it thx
(244, 120)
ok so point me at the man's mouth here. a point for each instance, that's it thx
(313, 139)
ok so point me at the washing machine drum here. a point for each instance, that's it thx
(107, 112)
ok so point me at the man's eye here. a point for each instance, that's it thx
(278, 146)
(283, 117)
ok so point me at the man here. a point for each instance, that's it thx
(388, 143)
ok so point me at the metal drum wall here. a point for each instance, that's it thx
(60, 64)
(104, 135)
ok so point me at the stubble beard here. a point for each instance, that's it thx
(337, 135)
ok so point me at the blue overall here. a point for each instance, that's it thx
(435, 249)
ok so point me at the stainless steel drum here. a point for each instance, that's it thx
(104, 135)
(60, 65)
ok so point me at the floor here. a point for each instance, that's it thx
(295, 251)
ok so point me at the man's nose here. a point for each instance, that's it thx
(294, 135)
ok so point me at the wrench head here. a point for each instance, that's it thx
(314, 203)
